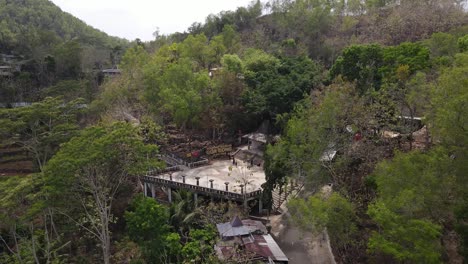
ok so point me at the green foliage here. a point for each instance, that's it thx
(41, 127)
(25, 223)
(461, 227)
(93, 167)
(69, 90)
(196, 49)
(414, 240)
(232, 63)
(413, 196)
(242, 18)
(41, 23)
(463, 43)
(315, 127)
(277, 168)
(151, 132)
(147, 224)
(275, 85)
(450, 97)
(173, 245)
(231, 39)
(183, 212)
(230, 88)
(108, 152)
(68, 60)
(181, 92)
(133, 59)
(360, 63)
(333, 212)
(414, 55)
(50, 45)
(15, 191)
(416, 184)
(384, 109)
(127, 251)
(368, 65)
(442, 44)
(199, 248)
(448, 116)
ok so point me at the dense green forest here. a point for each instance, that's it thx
(384, 83)
(48, 46)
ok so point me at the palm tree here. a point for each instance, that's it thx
(183, 214)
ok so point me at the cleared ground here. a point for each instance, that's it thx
(222, 171)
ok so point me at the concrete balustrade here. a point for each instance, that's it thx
(202, 190)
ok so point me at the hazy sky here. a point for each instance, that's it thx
(139, 18)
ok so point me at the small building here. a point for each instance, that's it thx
(329, 154)
(6, 71)
(247, 240)
(256, 140)
(413, 123)
(111, 72)
(8, 58)
(213, 72)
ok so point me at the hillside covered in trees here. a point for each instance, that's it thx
(44, 45)
(381, 84)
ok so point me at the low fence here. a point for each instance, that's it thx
(178, 161)
(163, 171)
(198, 163)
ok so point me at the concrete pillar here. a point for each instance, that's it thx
(211, 183)
(169, 195)
(170, 177)
(198, 181)
(153, 191)
(195, 198)
(260, 205)
(183, 178)
(227, 188)
(145, 189)
(242, 188)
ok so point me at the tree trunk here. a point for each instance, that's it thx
(105, 238)
(106, 251)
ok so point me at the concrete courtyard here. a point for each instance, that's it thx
(221, 171)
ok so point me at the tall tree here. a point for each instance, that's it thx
(325, 211)
(414, 198)
(92, 168)
(41, 127)
(360, 63)
(147, 224)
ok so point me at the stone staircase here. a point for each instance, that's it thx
(170, 160)
(278, 199)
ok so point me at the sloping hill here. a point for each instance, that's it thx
(25, 24)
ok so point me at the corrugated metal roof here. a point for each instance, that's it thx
(239, 227)
(328, 155)
(236, 222)
(111, 71)
(276, 251)
(260, 137)
(257, 247)
(226, 230)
